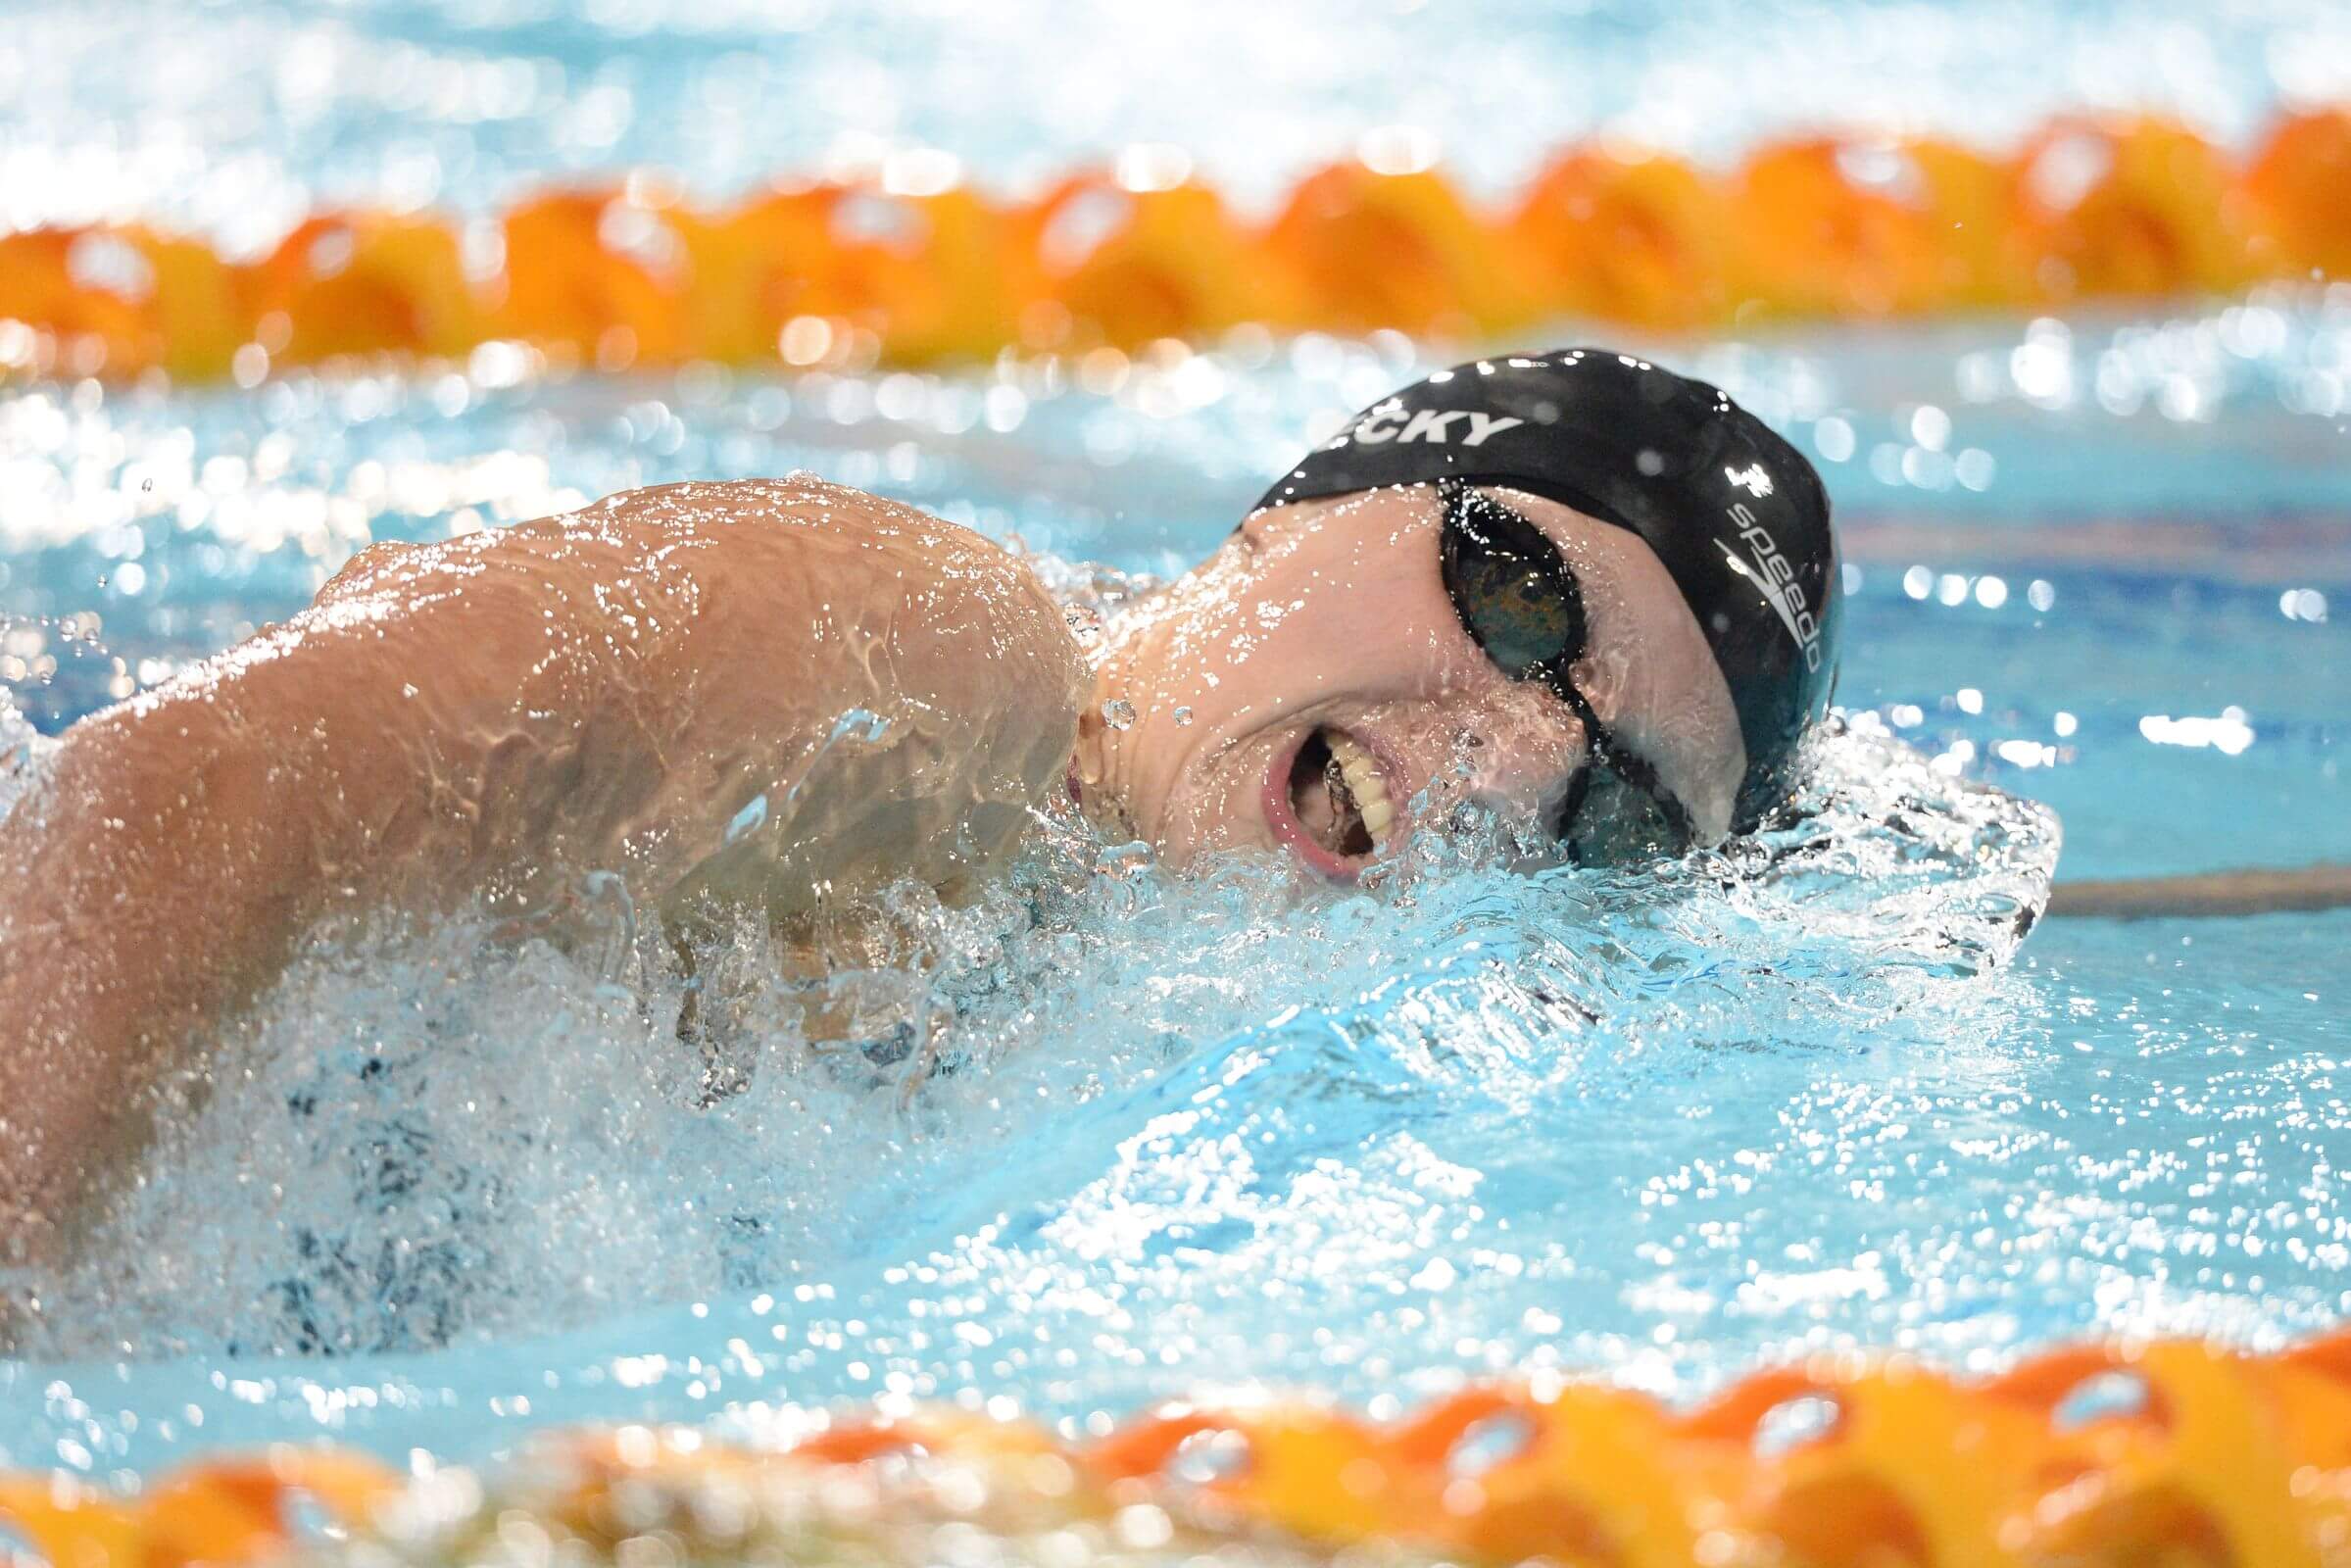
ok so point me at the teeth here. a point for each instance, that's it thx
(1364, 783)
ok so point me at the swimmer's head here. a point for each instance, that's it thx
(1593, 593)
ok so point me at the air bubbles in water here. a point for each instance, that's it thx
(1118, 714)
(479, 1131)
(1123, 860)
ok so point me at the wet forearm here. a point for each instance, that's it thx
(734, 696)
(146, 883)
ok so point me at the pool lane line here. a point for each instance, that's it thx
(2206, 894)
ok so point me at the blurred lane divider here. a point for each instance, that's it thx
(917, 268)
(2089, 1456)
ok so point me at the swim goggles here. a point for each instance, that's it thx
(1521, 603)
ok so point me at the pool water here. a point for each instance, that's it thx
(1224, 1130)
(1228, 1131)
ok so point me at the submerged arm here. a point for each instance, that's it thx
(144, 883)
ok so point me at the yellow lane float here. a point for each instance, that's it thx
(2172, 1452)
(1852, 228)
(594, 278)
(1619, 234)
(914, 266)
(355, 283)
(1124, 264)
(2299, 197)
(2128, 208)
(1356, 249)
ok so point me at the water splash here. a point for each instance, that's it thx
(450, 1132)
(24, 753)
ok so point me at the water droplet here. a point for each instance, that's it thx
(1123, 860)
(1182, 715)
(1118, 712)
(1494, 1441)
(749, 820)
(1207, 1457)
(1792, 1423)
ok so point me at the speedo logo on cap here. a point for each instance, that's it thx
(1387, 421)
(1771, 572)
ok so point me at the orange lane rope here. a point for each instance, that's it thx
(922, 271)
(2169, 1453)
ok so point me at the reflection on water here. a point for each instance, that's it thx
(236, 118)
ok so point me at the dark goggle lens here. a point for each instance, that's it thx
(1615, 821)
(1523, 606)
(1511, 590)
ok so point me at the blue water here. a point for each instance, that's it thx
(234, 117)
(1223, 1130)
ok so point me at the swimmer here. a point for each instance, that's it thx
(1593, 595)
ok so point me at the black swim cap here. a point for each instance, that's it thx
(1736, 515)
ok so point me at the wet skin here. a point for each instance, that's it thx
(651, 686)
(658, 686)
(1333, 617)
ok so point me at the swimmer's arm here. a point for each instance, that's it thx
(141, 887)
(491, 718)
(185, 839)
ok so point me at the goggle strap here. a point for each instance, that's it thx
(1628, 765)
(1454, 497)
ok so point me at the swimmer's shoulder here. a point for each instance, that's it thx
(773, 540)
(798, 510)
(798, 532)
(801, 511)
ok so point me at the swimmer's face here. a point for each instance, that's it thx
(1312, 687)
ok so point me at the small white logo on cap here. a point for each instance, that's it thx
(1771, 572)
(1385, 421)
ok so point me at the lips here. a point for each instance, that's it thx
(1329, 798)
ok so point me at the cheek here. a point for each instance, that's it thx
(1387, 638)
(1333, 587)
(1219, 808)
(1487, 719)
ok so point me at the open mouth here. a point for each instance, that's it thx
(1333, 804)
